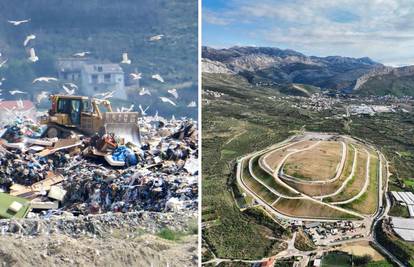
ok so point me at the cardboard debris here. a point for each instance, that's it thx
(32, 191)
(44, 205)
(15, 206)
(57, 193)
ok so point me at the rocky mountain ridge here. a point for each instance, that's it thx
(260, 64)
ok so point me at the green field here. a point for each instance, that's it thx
(256, 186)
(269, 179)
(368, 202)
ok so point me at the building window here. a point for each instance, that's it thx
(107, 78)
(95, 88)
(94, 78)
(100, 68)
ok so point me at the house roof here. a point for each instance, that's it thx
(71, 64)
(102, 68)
(17, 105)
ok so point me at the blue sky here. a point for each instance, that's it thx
(380, 29)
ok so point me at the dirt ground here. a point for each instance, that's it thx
(362, 248)
(116, 250)
(324, 189)
(274, 157)
(318, 163)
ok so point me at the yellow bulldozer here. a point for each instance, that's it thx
(89, 116)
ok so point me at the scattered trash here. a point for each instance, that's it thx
(98, 174)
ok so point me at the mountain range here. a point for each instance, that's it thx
(267, 65)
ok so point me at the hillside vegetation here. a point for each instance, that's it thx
(106, 28)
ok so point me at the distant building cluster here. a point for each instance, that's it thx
(93, 77)
(363, 109)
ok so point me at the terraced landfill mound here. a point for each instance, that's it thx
(327, 178)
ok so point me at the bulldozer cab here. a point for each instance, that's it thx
(73, 109)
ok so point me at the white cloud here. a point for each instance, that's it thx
(375, 28)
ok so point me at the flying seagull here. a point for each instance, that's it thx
(72, 85)
(127, 109)
(192, 104)
(44, 79)
(167, 100)
(81, 54)
(156, 37)
(69, 91)
(105, 95)
(143, 111)
(18, 22)
(173, 92)
(135, 76)
(144, 91)
(157, 77)
(125, 59)
(28, 38)
(41, 96)
(13, 92)
(33, 57)
(2, 63)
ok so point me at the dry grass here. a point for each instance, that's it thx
(362, 248)
(273, 158)
(319, 163)
(324, 189)
(308, 209)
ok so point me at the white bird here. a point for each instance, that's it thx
(158, 77)
(135, 76)
(1, 81)
(18, 22)
(28, 38)
(156, 37)
(143, 111)
(2, 64)
(41, 96)
(173, 92)
(13, 92)
(72, 85)
(144, 91)
(44, 79)
(33, 57)
(81, 54)
(125, 59)
(105, 95)
(127, 109)
(167, 100)
(192, 104)
(69, 91)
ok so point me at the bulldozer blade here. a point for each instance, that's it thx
(123, 125)
(128, 131)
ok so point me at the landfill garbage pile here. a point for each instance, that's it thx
(98, 174)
